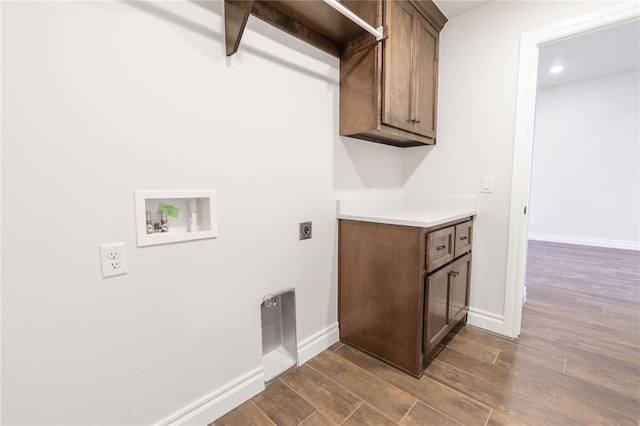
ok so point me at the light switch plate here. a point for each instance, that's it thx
(487, 184)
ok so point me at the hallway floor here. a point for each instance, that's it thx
(576, 362)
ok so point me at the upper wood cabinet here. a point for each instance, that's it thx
(388, 91)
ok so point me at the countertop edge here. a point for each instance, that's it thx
(404, 222)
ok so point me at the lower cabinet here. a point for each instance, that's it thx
(398, 294)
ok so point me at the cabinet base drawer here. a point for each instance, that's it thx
(440, 247)
(464, 236)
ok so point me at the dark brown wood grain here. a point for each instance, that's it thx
(425, 78)
(464, 238)
(282, 405)
(397, 90)
(479, 350)
(440, 247)
(498, 418)
(283, 15)
(366, 415)
(422, 414)
(332, 400)
(444, 399)
(460, 276)
(430, 11)
(388, 304)
(388, 87)
(320, 18)
(312, 21)
(381, 290)
(318, 419)
(236, 13)
(246, 414)
(388, 93)
(388, 399)
(437, 319)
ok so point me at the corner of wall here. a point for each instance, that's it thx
(486, 320)
(317, 343)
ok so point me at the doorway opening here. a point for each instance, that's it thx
(524, 131)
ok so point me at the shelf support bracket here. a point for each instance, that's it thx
(236, 13)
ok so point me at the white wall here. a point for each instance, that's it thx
(585, 181)
(100, 99)
(479, 53)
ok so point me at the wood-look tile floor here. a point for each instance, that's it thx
(577, 361)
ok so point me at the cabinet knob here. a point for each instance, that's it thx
(416, 121)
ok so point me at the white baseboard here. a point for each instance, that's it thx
(486, 320)
(219, 402)
(230, 396)
(595, 242)
(317, 343)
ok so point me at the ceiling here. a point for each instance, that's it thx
(452, 8)
(609, 51)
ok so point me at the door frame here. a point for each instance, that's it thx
(530, 43)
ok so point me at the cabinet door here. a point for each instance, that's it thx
(436, 317)
(460, 274)
(397, 65)
(425, 78)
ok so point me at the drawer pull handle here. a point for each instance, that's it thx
(463, 238)
(441, 248)
(454, 273)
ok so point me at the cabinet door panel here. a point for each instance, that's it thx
(396, 94)
(380, 290)
(436, 317)
(425, 85)
(459, 296)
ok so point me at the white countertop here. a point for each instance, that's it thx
(420, 211)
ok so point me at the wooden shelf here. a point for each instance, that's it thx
(312, 21)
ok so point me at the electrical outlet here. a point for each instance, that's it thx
(113, 258)
(305, 230)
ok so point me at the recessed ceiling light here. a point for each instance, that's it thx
(556, 69)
